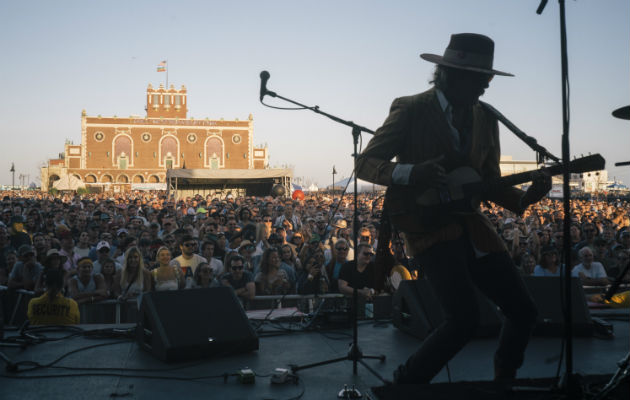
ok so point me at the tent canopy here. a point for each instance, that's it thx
(617, 186)
(68, 182)
(363, 186)
(232, 175)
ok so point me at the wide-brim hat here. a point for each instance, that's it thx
(622, 113)
(468, 51)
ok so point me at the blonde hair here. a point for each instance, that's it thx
(157, 253)
(124, 276)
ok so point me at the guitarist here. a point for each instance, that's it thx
(430, 134)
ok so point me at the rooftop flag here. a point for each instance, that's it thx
(161, 66)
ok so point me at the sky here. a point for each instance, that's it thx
(351, 58)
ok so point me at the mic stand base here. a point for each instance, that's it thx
(354, 353)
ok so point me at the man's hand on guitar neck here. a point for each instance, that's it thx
(541, 185)
(428, 174)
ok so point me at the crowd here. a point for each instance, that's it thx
(117, 247)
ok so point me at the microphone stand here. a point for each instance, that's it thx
(354, 354)
(569, 383)
(541, 152)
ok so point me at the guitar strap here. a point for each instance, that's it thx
(530, 141)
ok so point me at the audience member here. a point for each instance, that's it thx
(272, 279)
(84, 287)
(188, 260)
(26, 271)
(168, 275)
(239, 279)
(591, 273)
(203, 278)
(359, 275)
(52, 308)
(133, 279)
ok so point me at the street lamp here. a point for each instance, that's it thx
(334, 171)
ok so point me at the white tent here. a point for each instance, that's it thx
(312, 188)
(68, 182)
(617, 186)
(363, 186)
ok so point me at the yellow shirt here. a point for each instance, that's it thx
(60, 311)
(620, 300)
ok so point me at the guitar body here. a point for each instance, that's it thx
(412, 210)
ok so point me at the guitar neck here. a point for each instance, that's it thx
(585, 164)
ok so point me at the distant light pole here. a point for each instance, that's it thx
(12, 170)
(333, 186)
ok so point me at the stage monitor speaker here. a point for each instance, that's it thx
(197, 323)
(417, 311)
(549, 298)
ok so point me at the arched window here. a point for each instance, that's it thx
(154, 179)
(138, 179)
(90, 178)
(51, 180)
(169, 150)
(123, 151)
(214, 152)
(107, 178)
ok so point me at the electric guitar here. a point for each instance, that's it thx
(410, 208)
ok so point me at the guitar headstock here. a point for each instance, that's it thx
(592, 162)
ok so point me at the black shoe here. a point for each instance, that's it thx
(400, 375)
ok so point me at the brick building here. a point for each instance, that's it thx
(123, 153)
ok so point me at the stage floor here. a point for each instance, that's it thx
(135, 374)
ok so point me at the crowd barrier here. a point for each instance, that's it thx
(14, 305)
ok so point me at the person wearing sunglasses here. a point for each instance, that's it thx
(238, 279)
(203, 278)
(189, 260)
(340, 254)
(358, 276)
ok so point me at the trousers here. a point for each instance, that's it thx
(453, 270)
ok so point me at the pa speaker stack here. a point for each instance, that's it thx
(417, 311)
(189, 324)
(549, 298)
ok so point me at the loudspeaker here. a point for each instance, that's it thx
(417, 311)
(549, 298)
(197, 323)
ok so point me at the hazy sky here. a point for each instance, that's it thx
(352, 58)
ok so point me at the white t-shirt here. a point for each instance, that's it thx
(596, 271)
(189, 266)
(217, 266)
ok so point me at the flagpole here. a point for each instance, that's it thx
(167, 74)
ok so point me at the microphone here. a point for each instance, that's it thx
(264, 77)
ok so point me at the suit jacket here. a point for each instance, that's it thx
(415, 131)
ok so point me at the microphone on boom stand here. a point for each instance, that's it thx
(264, 77)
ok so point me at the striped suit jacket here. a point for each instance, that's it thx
(416, 130)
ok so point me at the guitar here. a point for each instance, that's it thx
(410, 208)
